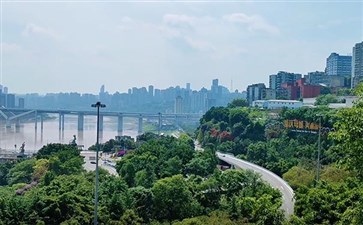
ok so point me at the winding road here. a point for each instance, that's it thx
(90, 159)
(268, 176)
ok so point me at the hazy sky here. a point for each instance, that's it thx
(64, 46)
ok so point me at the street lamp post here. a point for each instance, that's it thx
(98, 105)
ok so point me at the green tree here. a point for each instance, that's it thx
(145, 178)
(238, 102)
(214, 218)
(114, 198)
(4, 170)
(128, 173)
(21, 172)
(142, 202)
(40, 168)
(238, 115)
(326, 99)
(217, 114)
(130, 218)
(52, 149)
(298, 176)
(348, 129)
(200, 166)
(173, 200)
(14, 209)
(172, 167)
(66, 197)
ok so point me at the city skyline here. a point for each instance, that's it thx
(125, 45)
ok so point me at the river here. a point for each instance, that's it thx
(9, 137)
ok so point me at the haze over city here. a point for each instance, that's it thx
(67, 46)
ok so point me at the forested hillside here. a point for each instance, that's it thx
(331, 194)
(163, 181)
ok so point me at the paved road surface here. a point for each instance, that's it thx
(268, 176)
(90, 156)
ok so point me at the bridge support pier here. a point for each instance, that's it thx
(36, 122)
(61, 126)
(41, 128)
(101, 123)
(177, 120)
(80, 138)
(120, 125)
(140, 125)
(62, 123)
(8, 124)
(36, 128)
(160, 121)
(17, 126)
(41, 123)
(80, 121)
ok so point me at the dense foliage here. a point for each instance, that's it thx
(261, 137)
(164, 180)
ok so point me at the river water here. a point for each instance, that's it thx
(34, 138)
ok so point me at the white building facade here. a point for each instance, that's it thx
(277, 104)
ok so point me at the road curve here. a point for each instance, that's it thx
(92, 167)
(275, 181)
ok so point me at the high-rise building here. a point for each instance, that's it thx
(151, 90)
(316, 78)
(276, 80)
(269, 94)
(102, 89)
(21, 103)
(215, 82)
(10, 100)
(320, 78)
(178, 105)
(338, 65)
(255, 92)
(357, 64)
(188, 86)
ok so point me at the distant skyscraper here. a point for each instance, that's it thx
(178, 104)
(10, 101)
(188, 86)
(102, 89)
(21, 103)
(151, 90)
(338, 65)
(215, 82)
(357, 64)
(214, 89)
